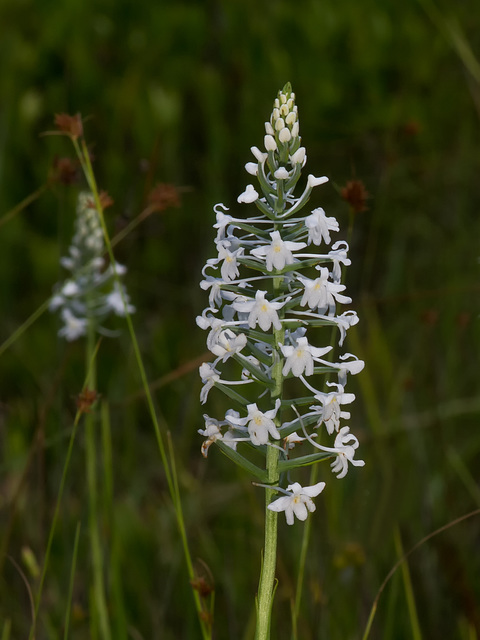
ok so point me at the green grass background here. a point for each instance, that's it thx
(177, 92)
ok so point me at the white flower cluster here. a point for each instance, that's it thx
(277, 276)
(91, 293)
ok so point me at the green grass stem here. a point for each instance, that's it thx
(72, 580)
(407, 585)
(24, 326)
(7, 626)
(399, 562)
(23, 204)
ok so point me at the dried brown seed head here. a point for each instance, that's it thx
(70, 125)
(356, 195)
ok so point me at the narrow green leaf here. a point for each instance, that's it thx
(242, 462)
(228, 391)
(303, 461)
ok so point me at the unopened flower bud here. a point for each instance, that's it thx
(281, 174)
(249, 195)
(270, 144)
(285, 135)
(298, 157)
(259, 155)
(291, 118)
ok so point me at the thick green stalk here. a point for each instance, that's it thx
(99, 599)
(266, 589)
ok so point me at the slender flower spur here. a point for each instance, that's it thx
(90, 293)
(274, 288)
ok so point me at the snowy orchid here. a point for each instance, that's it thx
(92, 292)
(274, 286)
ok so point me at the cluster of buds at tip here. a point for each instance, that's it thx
(91, 292)
(274, 288)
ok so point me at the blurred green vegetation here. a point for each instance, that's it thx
(177, 92)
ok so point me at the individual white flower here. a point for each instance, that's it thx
(312, 181)
(259, 424)
(279, 252)
(330, 411)
(209, 376)
(281, 174)
(211, 432)
(299, 156)
(251, 168)
(228, 343)
(249, 195)
(345, 445)
(214, 284)
(348, 366)
(74, 327)
(115, 301)
(338, 254)
(298, 502)
(300, 358)
(319, 227)
(70, 289)
(344, 321)
(56, 302)
(260, 311)
(229, 269)
(285, 134)
(223, 221)
(322, 294)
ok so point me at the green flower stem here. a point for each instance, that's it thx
(266, 589)
(66, 464)
(84, 158)
(99, 599)
(23, 204)
(71, 583)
